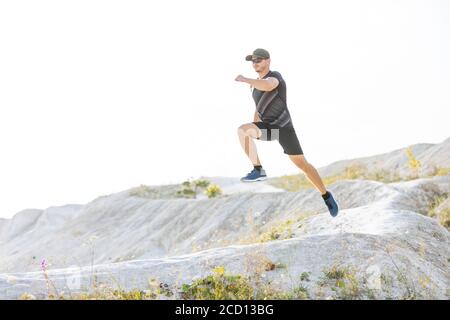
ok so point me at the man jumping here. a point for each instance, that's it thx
(272, 121)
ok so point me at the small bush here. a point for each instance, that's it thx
(355, 171)
(342, 281)
(443, 171)
(301, 293)
(142, 191)
(413, 163)
(189, 188)
(439, 171)
(282, 230)
(305, 276)
(441, 214)
(219, 286)
(213, 191)
(106, 294)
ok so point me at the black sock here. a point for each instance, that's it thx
(326, 195)
(259, 167)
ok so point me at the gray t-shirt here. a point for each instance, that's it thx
(271, 105)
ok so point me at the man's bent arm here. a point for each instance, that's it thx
(256, 118)
(263, 84)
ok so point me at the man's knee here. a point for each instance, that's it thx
(248, 129)
(241, 129)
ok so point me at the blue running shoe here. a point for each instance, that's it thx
(332, 205)
(255, 175)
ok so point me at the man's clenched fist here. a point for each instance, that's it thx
(240, 78)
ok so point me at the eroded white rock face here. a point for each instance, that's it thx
(380, 232)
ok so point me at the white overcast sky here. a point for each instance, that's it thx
(100, 96)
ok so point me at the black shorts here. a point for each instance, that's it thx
(286, 136)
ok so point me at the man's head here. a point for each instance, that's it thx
(260, 59)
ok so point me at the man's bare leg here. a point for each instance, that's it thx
(310, 172)
(247, 132)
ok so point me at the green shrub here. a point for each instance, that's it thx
(219, 286)
(305, 276)
(189, 188)
(440, 171)
(213, 191)
(300, 292)
(141, 191)
(442, 215)
(281, 230)
(342, 281)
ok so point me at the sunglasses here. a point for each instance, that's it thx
(258, 60)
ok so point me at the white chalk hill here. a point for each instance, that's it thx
(126, 238)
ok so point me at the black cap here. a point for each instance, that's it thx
(258, 53)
